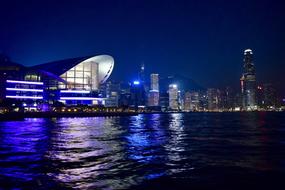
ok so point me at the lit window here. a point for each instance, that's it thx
(79, 74)
(70, 73)
(79, 80)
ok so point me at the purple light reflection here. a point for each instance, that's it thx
(22, 142)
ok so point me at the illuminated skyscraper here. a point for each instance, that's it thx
(173, 97)
(137, 94)
(143, 85)
(248, 86)
(191, 101)
(112, 94)
(154, 82)
(153, 96)
(213, 99)
(267, 96)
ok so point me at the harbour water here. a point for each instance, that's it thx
(148, 151)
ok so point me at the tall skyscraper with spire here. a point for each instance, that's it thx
(142, 85)
(142, 74)
(248, 82)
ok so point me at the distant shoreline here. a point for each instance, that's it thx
(18, 116)
(15, 116)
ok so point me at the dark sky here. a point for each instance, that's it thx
(203, 40)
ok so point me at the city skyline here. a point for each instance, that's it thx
(204, 47)
(142, 94)
(140, 73)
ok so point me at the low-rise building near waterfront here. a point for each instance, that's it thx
(73, 81)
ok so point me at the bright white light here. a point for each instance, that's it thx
(80, 98)
(248, 51)
(24, 89)
(75, 91)
(173, 85)
(35, 104)
(237, 109)
(136, 82)
(24, 104)
(25, 97)
(24, 82)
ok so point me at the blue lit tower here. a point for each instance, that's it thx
(137, 94)
(143, 85)
(248, 82)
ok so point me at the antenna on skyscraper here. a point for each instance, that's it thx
(141, 73)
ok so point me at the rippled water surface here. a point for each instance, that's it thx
(152, 151)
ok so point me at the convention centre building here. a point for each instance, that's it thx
(73, 81)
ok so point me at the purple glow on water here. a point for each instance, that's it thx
(128, 152)
(22, 142)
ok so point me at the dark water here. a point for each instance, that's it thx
(167, 151)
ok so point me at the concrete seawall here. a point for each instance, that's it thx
(20, 116)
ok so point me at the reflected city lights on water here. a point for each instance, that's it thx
(89, 150)
(21, 143)
(126, 152)
(176, 144)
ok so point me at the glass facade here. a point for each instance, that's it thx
(24, 90)
(248, 84)
(71, 81)
(32, 77)
(173, 97)
(83, 76)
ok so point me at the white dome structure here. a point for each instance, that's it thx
(84, 73)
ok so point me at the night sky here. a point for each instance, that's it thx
(203, 40)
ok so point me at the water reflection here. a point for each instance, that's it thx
(175, 147)
(85, 151)
(145, 139)
(143, 136)
(22, 145)
(125, 152)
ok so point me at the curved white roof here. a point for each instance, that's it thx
(105, 66)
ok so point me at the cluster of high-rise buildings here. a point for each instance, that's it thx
(251, 96)
(83, 81)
